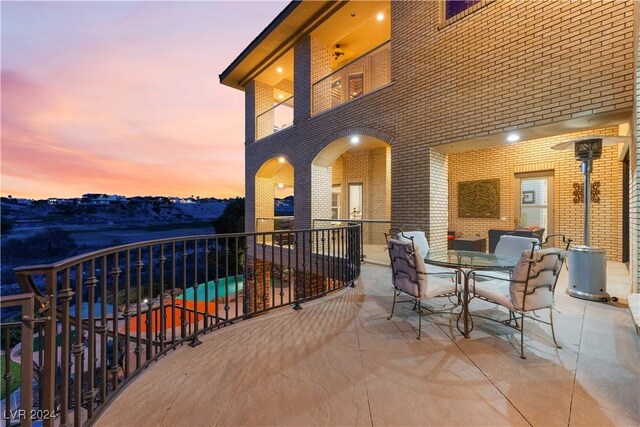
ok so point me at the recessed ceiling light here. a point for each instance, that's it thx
(280, 185)
(279, 69)
(281, 159)
(355, 139)
(380, 16)
(280, 96)
(514, 137)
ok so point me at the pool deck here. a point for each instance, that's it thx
(339, 361)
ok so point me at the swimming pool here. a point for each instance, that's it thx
(224, 285)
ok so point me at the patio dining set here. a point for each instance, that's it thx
(519, 276)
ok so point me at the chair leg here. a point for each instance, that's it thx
(393, 307)
(522, 356)
(419, 319)
(553, 332)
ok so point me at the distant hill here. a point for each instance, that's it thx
(206, 210)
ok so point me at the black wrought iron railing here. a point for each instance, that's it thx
(111, 313)
(372, 242)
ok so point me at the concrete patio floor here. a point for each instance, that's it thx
(339, 361)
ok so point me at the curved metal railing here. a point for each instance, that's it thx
(116, 310)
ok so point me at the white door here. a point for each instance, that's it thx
(355, 201)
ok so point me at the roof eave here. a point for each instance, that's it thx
(310, 14)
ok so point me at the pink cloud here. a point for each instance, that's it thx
(130, 104)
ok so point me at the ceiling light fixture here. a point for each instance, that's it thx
(337, 53)
(380, 16)
(355, 139)
(514, 137)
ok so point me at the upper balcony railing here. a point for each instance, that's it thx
(106, 315)
(275, 119)
(362, 75)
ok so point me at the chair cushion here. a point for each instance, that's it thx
(410, 273)
(545, 266)
(496, 291)
(440, 286)
(419, 239)
(542, 278)
(514, 245)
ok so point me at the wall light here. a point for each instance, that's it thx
(280, 185)
(281, 159)
(355, 139)
(514, 137)
(380, 16)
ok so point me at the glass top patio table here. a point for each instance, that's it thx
(470, 260)
(466, 262)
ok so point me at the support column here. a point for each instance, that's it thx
(257, 287)
(419, 190)
(312, 62)
(438, 200)
(302, 81)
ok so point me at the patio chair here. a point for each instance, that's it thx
(512, 246)
(419, 239)
(409, 276)
(530, 287)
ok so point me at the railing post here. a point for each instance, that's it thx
(50, 349)
(26, 369)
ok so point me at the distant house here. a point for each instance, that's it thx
(102, 199)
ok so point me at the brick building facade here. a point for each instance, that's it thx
(456, 89)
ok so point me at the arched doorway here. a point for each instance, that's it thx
(351, 182)
(274, 195)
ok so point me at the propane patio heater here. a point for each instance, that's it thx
(587, 269)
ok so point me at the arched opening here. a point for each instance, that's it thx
(351, 182)
(274, 195)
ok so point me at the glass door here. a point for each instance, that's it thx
(534, 204)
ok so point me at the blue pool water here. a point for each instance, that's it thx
(227, 283)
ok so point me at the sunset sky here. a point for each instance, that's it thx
(123, 97)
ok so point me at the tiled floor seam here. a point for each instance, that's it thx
(235, 390)
(575, 373)
(486, 376)
(364, 374)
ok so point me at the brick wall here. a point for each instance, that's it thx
(320, 67)
(509, 65)
(438, 206)
(634, 170)
(505, 161)
(257, 287)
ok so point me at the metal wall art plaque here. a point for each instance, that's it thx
(479, 199)
(578, 192)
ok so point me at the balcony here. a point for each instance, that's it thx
(341, 362)
(338, 361)
(116, 311)
(359, 77)
(275, 119)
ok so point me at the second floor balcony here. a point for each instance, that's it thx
(357, 78)
(275, 119)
